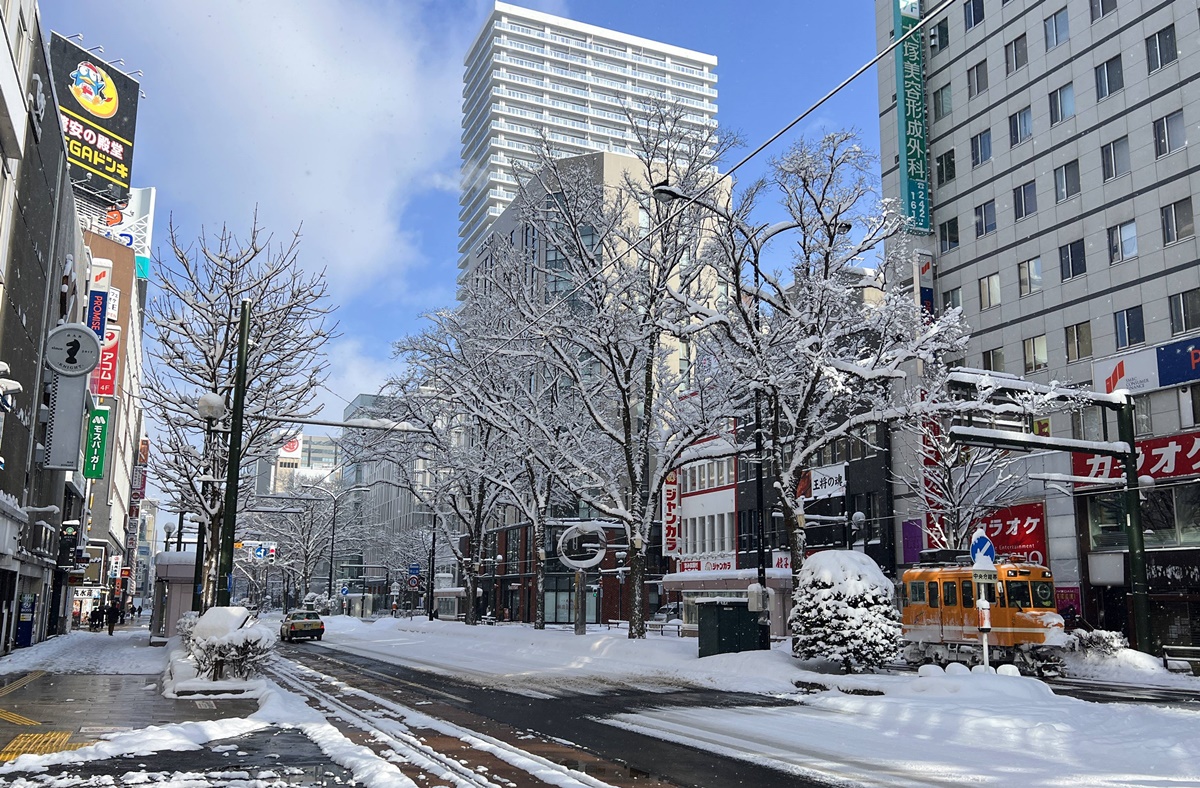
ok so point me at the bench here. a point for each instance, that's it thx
(662, 627)
(1188, 654)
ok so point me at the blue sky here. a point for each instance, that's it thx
(345, 116)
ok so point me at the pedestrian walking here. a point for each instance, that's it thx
(111, 614)
(139, 612)
(95, 618)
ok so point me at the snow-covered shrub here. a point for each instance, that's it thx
(842, 610)
(227, 643)
(1098, 641)
(185, 625)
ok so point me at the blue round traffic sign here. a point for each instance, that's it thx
(345, 590)
(980, 544)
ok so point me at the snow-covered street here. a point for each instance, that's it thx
(875, 730)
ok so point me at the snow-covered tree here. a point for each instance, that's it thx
(820, 323)
(599, 306)
(843, 611)
(193, 351)
(956, 485)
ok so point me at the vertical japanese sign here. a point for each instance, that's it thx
(96, 444)
(910, 117)
(99, 114)
(671, 514)
(97, 313)
(106, 371)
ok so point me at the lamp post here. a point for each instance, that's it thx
(170, 529)
(754, 239)
(210, 407)
(335, 497)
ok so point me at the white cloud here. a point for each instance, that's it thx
(334, 114)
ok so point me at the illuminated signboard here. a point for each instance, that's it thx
(98, 105)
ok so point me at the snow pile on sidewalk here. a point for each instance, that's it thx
(127, 652)
(978, 729)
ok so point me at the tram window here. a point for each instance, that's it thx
(988, 591)
(1043, 595)
(968, 593)
(916, 592)
(1018, 594)
(949, 594)
(933, 594)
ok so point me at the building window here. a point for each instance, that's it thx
(1129, 327)
(1115, 158)
(981, 147)
(939, 37)
(1169, 134)
(1025, 200)
(1062, 104)
(1142, 424)
(1079, 341)
(1016, 55)
(1020, 126)
(985, 218)
(1109, 78)
(977, 79)
(1160, 48)
(1066, 181)
(1056, 29)
(945, 168)
(972, 13)
(941, 102)
(1029, 273)
(948, 235)
(1189, 404)
(993, 360)
(1101, 8)
(1122, 242)
(1185, 311)
(1035, 353)
(952, 299)
(1177, 221)
(989, 291)
(1070, 258)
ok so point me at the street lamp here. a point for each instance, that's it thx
(335, 497)
(754, 239)
(210, 406)
(170, 529)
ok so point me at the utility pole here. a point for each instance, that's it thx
(225, 555)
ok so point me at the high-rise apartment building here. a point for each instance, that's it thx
(531, 73)
(1049, 152)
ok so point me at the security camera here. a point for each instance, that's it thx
(9, 386)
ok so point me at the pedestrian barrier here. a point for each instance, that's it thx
(1188, 654)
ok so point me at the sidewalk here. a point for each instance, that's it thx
(79, 689)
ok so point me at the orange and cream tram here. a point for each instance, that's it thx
(941, 623)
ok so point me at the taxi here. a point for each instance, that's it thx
(301, 624)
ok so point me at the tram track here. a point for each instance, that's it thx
(443, 740)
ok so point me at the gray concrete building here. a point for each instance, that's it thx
(1045, 147)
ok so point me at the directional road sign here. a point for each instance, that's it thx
(981, 544)
(414, 569)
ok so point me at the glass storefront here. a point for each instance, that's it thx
(1170, 517)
